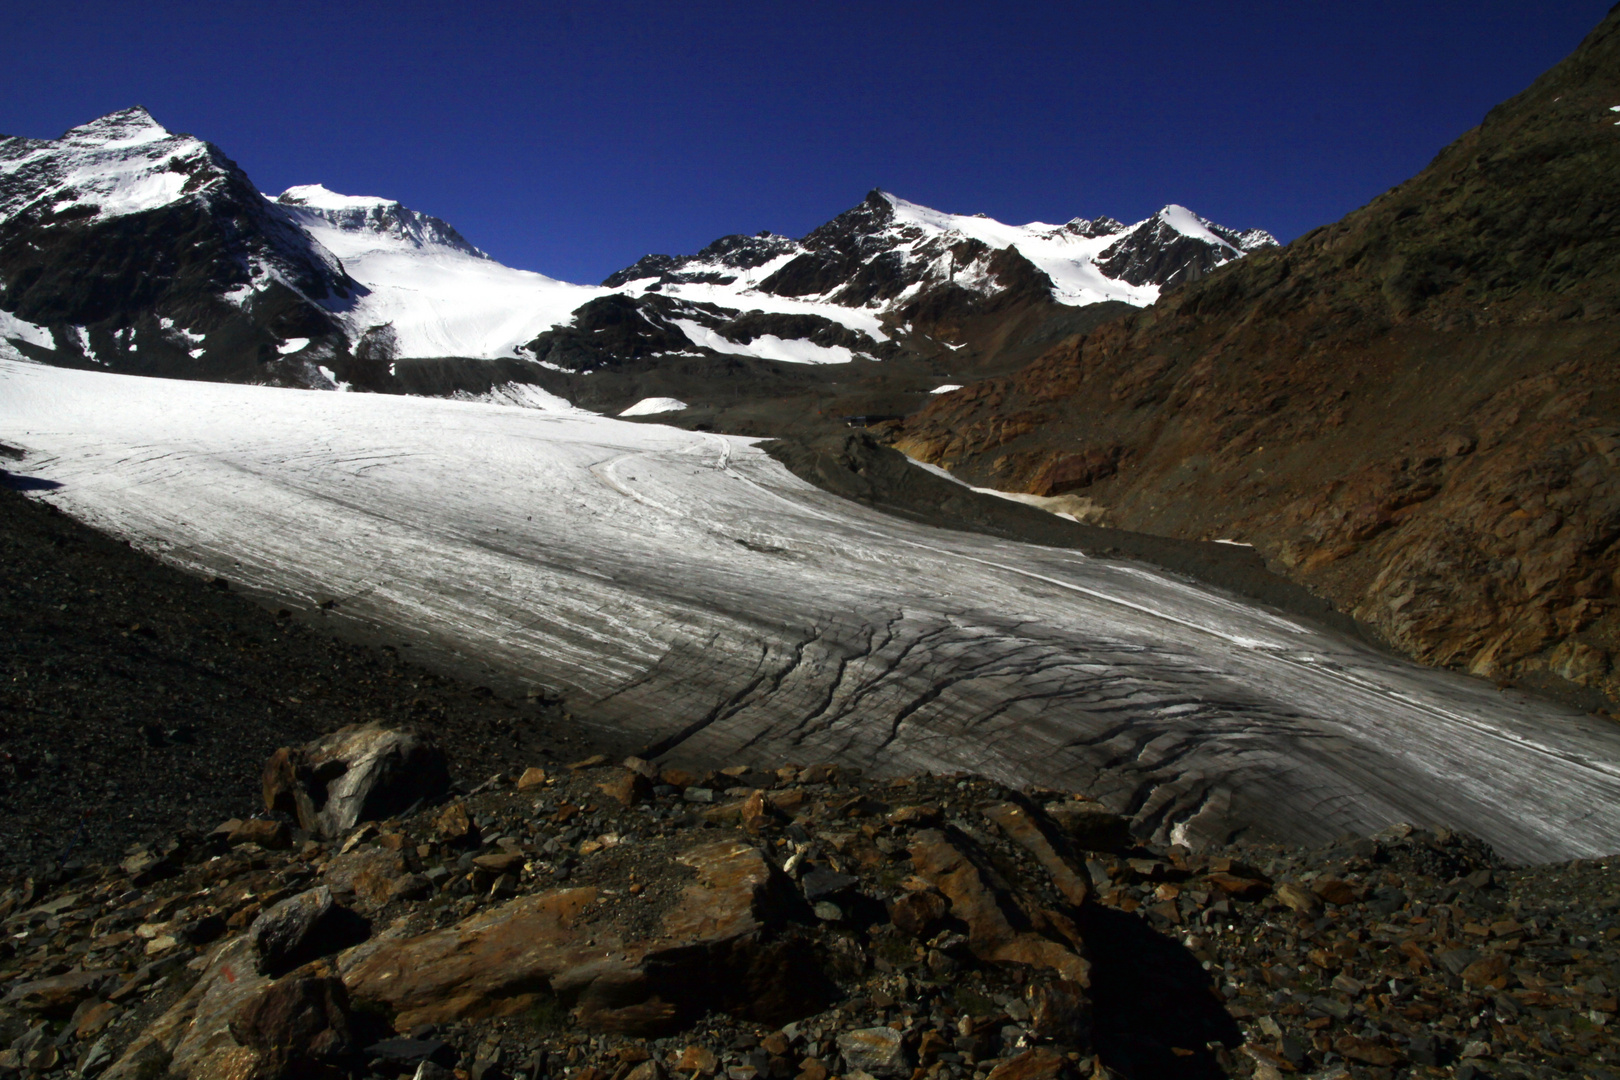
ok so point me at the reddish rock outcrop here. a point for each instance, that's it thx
(1414, 411)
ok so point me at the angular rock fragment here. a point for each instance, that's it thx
(1022, 827)
(303, 928)
(364, 772)
(1090, 826)
(999, 929)
(878, 1050)
(298, 1026)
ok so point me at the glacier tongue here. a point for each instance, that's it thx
(685, 588)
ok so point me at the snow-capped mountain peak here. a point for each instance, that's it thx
(887, 252)
(353, 224)
(123, 163)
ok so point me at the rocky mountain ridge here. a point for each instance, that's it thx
(322, 290)
(1412, 411)
(126, 247)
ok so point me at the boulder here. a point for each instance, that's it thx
(58, 995)
(303, 928)
(363, 772)
(711, 952)
(1090, 826)
(1025, 830)
(877, 1050)
(1037, 1063)
(192, 1040)
(297, 1025)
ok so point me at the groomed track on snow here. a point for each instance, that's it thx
(687, 588)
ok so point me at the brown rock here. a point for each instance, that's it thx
(1488, 971)
(1059, 1010)
(93, 1020)
(494, 963)
(532, 777)
(918, 816)
(822, 773)
(1038, 1063)
(696, 1060)
(368, 872)
(455, 826)
(918, 913)
(268, 834)
(58, 995)
(642, 768)
(627, 788)
(1017, 823)
(192, 1040)
(757, 813)
(1366, 1051)
(1334, 891)
(677, 778)
(501, 862)
(991, 934)
(789, 802)
(297, 1025)
(595, 761)
(1243, 888)
(812, 1069)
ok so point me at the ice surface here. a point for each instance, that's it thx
(442, 300)
(651, 406)
(687, 589)
(766, 346)
(22, 330)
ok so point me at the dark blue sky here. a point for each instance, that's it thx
(573, 138)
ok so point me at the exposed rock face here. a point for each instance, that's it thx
(1412, 411)
(999, 929)
(363, 772)
(712, 950)
(143, 251)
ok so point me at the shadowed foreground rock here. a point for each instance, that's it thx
(778, 923)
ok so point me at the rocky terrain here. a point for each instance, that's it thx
(1412, 411)
(603, 919)
(139, 701)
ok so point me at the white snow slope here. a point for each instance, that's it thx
(446, 298)
(442, 296)
(686, 588)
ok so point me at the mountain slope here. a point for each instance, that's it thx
(125, 246)
(130, 248)
(1415, 411)
(437, 294)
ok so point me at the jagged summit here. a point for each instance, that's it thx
(366, 218)
(126, 127)
(887, 251)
